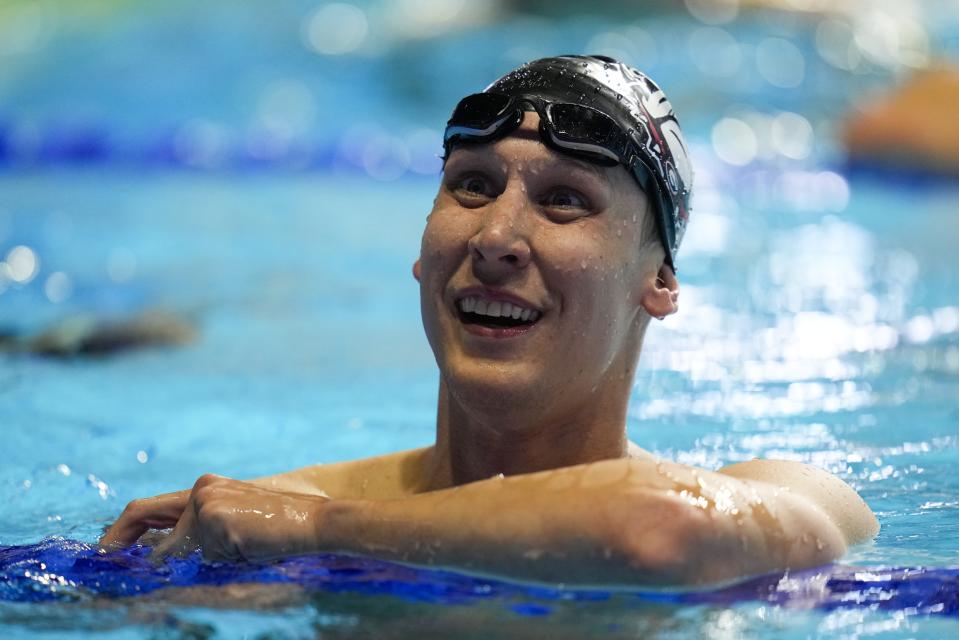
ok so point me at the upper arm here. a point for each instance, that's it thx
(718, 526)
(836, 499)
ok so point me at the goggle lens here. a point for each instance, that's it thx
(480, 110)
(581, 124)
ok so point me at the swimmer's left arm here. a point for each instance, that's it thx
(616, 521)
(609, 522)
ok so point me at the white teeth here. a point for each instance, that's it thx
(497, 309)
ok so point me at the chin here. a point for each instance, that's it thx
(493, 386)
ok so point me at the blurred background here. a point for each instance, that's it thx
(366, 86)
(241, 187)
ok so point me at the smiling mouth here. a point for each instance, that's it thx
(494, 314)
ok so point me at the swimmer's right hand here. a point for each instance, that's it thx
(139, 516)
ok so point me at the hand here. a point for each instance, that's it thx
(158, 512)
(235, 521)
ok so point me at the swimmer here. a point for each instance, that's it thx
(550, 248)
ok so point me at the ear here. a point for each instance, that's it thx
(661, 293)
(416, 270)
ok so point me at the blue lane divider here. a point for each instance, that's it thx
(61, 569)
(92, 145)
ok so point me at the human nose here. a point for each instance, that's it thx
(501, 244)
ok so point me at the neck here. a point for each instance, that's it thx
(515, 436)
(472, 445)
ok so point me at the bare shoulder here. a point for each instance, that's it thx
(835, 498)
(636, 452)
(384, 477)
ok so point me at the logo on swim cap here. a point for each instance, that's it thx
(639, 107)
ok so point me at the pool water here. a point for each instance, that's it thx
(806, 336)
(819, 322)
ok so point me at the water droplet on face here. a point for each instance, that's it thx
(582, 265)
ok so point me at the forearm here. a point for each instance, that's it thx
(618, 521)
(484, 527)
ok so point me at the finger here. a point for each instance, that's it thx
(182, 540)
(159, 512)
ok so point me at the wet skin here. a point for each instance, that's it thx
(531, 475)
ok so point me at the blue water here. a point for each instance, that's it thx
(58, 570)
(310, 351)
(819, 322)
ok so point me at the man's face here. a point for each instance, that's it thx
(551, 243)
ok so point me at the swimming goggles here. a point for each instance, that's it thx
(573, 129)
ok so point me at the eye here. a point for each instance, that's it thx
(565, 204)
(565, 199)
(474, 185)
(471, 189)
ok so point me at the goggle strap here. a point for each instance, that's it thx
(584, 147)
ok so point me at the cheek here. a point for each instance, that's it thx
(444, 242)
(595, 270)
(571, 251)
(591, 261)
